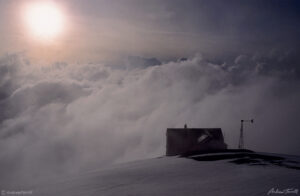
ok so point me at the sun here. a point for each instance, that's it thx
(44, 20)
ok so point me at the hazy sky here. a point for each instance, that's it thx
(109, 85)
(102, 29)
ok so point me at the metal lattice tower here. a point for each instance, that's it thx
(241, 141)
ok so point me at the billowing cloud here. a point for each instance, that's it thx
(71, 117)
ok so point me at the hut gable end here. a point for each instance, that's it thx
(187, 140)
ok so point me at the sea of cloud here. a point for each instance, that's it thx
(66, 118)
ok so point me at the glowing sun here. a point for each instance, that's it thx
(44, 20)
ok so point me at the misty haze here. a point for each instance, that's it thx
(93, 93)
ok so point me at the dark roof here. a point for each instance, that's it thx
(216, 133)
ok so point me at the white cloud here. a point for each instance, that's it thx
(66, 118)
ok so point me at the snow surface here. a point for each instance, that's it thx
(176, 176)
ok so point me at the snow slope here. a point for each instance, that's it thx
(209, 174)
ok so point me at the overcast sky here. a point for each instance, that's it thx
(107, 88)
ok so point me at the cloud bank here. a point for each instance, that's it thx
(67, 118)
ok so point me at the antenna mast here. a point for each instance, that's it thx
(241, 142)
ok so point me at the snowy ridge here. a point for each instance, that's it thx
(226, 173)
